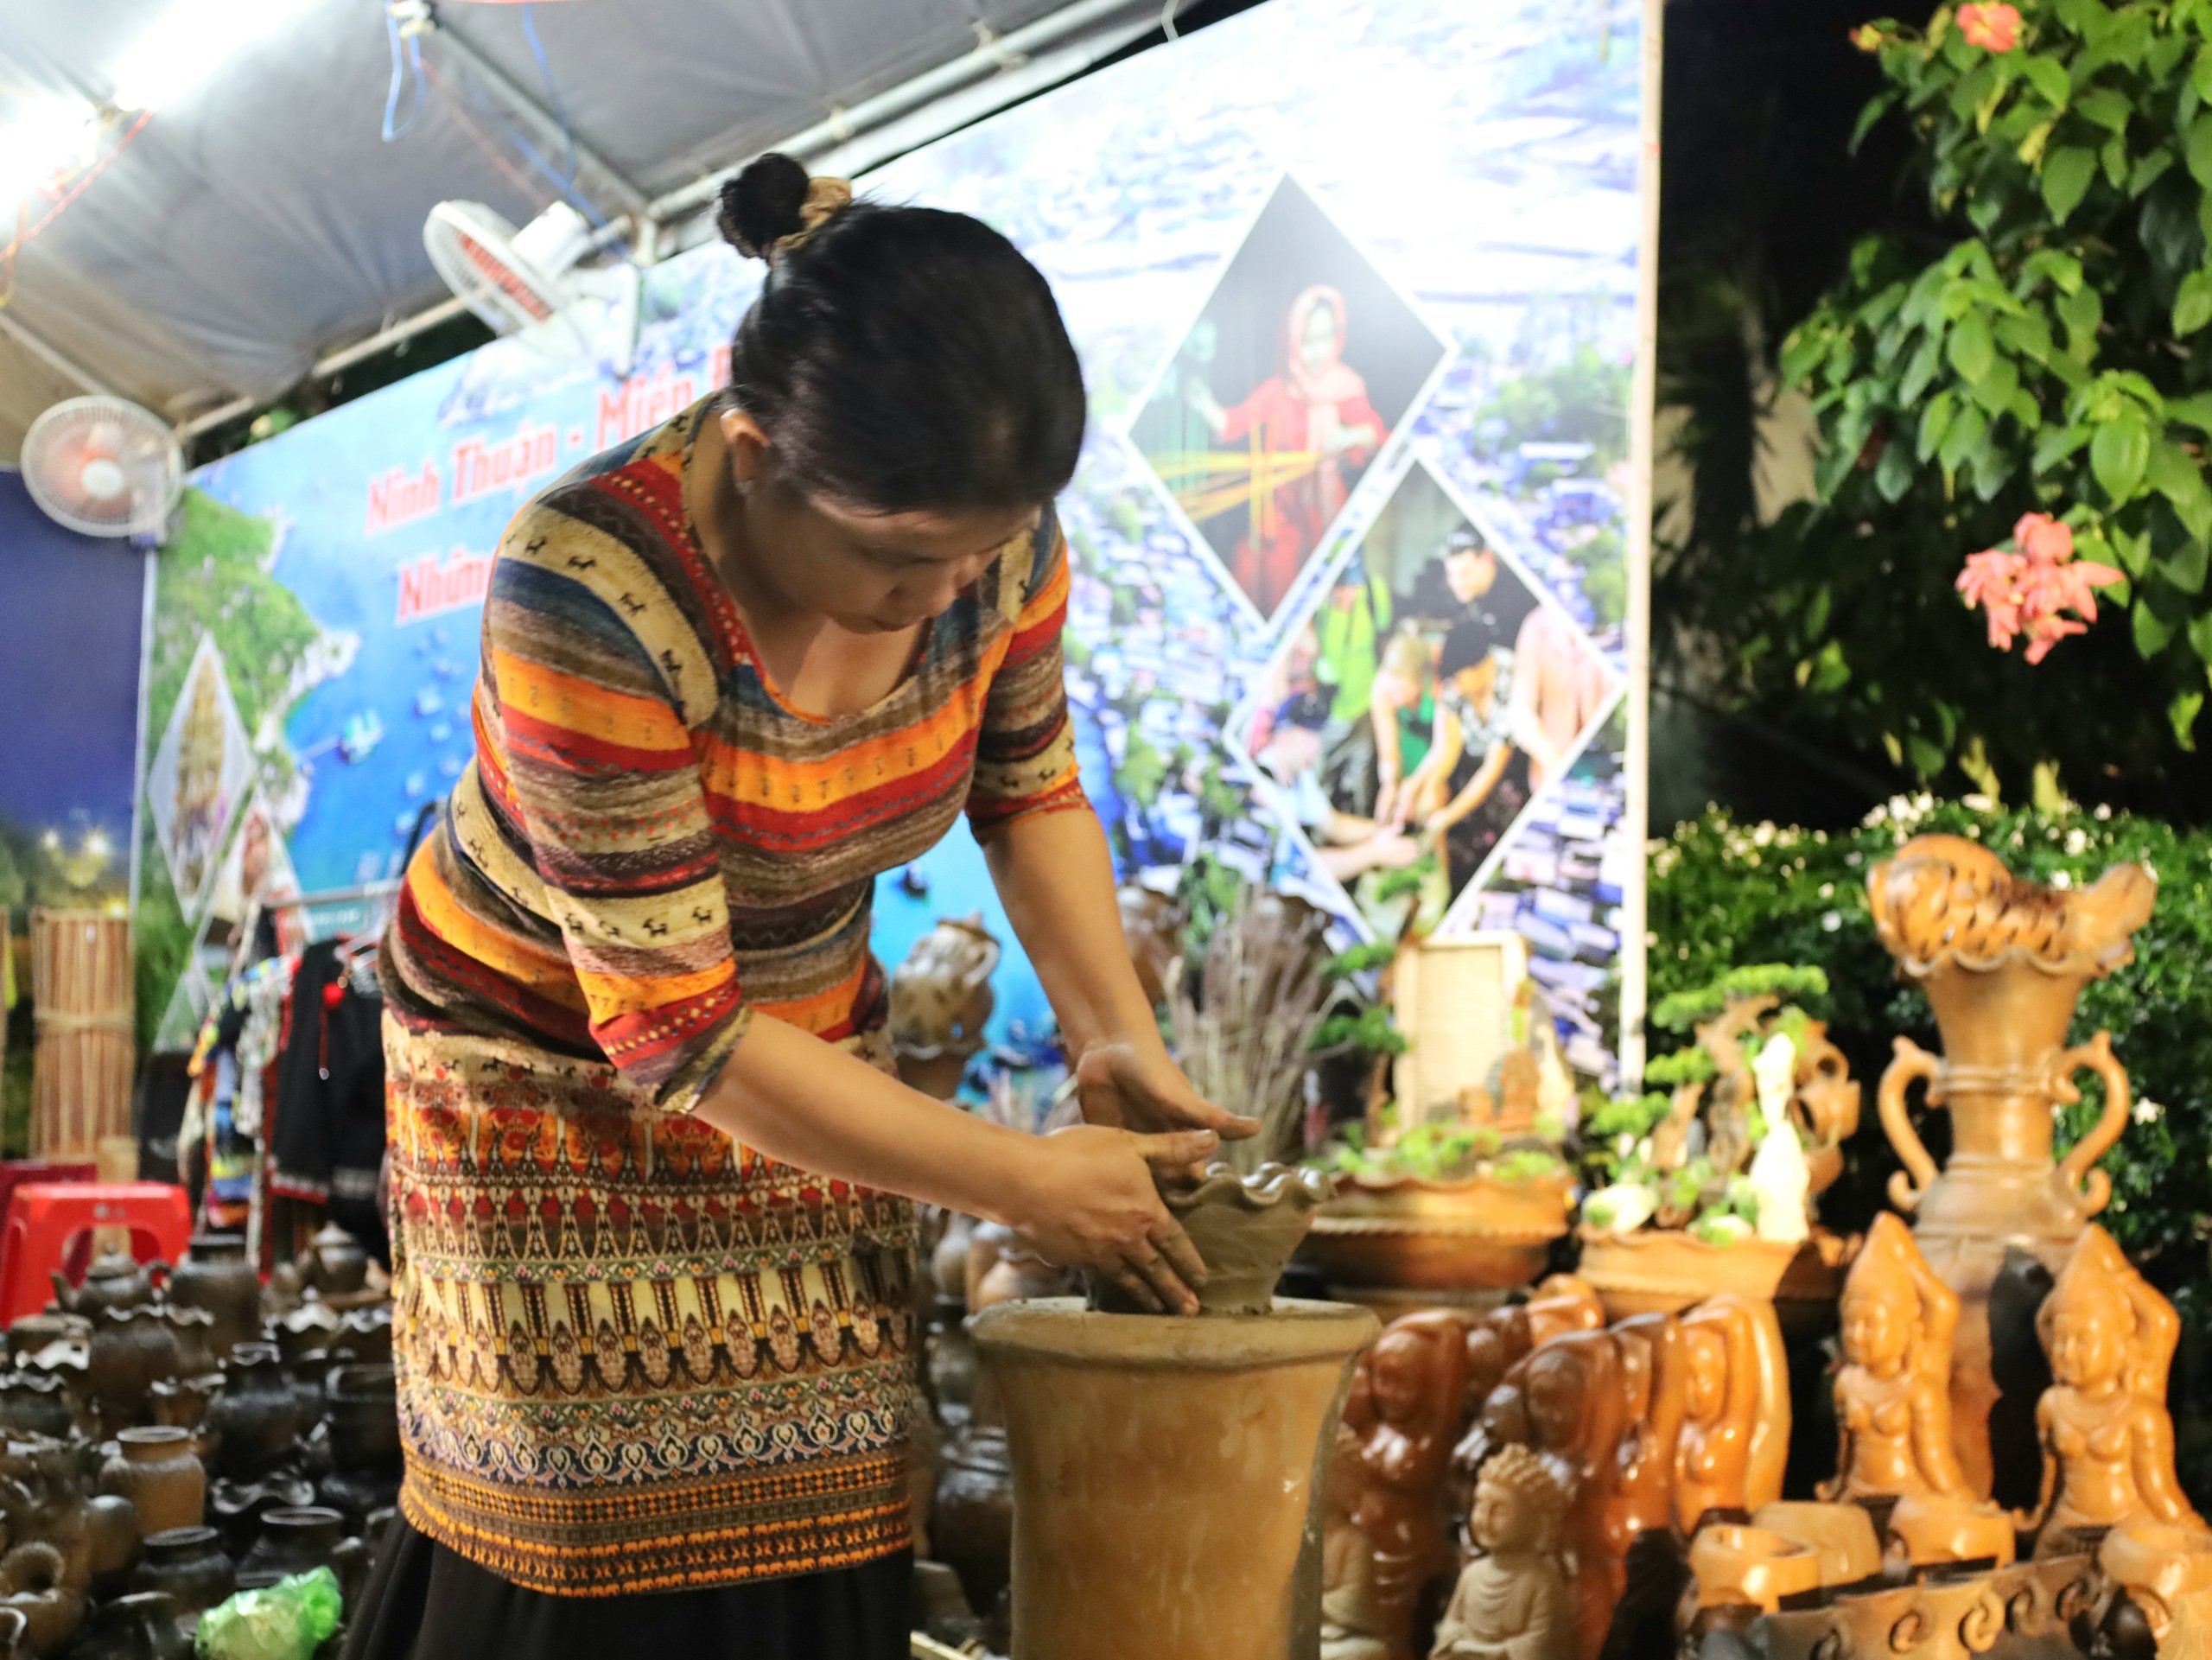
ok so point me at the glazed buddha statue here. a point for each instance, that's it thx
(1735, 1427)
(2107, 1441)
(1405, 1408)
(1892, 1395)
(1514, 1600)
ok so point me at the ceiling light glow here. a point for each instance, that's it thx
(186, 43)
(42, 139)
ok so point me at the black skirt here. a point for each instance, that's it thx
(423, 1602)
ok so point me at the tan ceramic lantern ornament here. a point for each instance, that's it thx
(2003, 962)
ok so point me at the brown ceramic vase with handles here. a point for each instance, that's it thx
(2003, 962)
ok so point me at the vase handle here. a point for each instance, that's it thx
(1909, 1185)
(2091, 1187)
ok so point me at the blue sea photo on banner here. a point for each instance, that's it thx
(1355, 289)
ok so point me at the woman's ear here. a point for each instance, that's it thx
(747, 445)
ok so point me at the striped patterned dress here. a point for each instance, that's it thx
(634, 1356)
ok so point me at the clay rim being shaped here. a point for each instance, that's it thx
(1271, 1185)
(1068, 1332)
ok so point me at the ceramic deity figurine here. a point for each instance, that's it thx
(1735, 1433)
(2108, 1444)
(1892, 1397)
(1406, 1406)
(1513, 1602)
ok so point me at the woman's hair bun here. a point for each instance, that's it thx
(762, 205)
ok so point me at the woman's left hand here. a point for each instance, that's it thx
(1135, 1086)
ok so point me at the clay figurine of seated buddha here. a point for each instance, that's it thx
(1513, 1602)
(2108, 1444)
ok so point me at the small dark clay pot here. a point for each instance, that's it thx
(256, 1414)
(157, 1471)
(141, 1626)
(188, 1564)
(363, 1405)
(335, 1262)
(298, 1542)
(237, 1507)
(111, 1542)
(131, 1349)
(217, 1277)
(32, 1403)
(114, 1280)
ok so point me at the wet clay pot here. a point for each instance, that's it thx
(115, 1280)
(334, 1263)
(1244, 1228)
(131, 1349)
(157, 1471)
(32, 1403)
(140, 1626)
(363, 1419)
(188, 1564)
(2002, 962)
(256, 1414)
(216, 1276)
(298, 1542)
(1163, 1473)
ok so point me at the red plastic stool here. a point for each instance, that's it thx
(44, 1217)
(14, 1173)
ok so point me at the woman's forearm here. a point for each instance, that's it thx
(1056, 879)
(805, 1102)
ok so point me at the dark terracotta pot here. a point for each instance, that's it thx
(364, 1419)
(335, 1262)
(307, 1333)
(141, 1626)
(364, 1337)
(112, 1535)
(256, 1414)
(195, 1338)
(236, 1508)
(188, 1564)
(971, 1524)
(298, 1542)
(33, 1332)
(32, 1403)
(131, 1348)
(114, 1280)
(157, 1471)
(12, 1625)
(217, 1277)
(182, 1404)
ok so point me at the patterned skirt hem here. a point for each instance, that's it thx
(672, 1536)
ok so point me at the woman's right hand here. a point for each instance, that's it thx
(1086, 1199)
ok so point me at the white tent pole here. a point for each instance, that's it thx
(617, 186)
(65, 366)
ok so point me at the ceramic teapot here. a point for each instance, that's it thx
(216, 1276)
(940, 998)
(115, 1280)
(333, 1263)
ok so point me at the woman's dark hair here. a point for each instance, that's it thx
(901, 357)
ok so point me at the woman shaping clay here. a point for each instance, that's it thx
(649, 1171)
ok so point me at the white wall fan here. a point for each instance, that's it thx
(527, 282)
(105, 466)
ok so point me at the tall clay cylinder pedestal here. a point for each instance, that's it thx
(1164, 1471)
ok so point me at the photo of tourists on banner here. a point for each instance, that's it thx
(1281, 394)
(1428, 696)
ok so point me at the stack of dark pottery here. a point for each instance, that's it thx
(171, 1436)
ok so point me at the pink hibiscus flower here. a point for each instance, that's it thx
(1994, 27)
(2030, 590)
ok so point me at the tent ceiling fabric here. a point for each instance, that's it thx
(260, 219)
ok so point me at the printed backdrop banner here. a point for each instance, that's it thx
(1355, 289)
